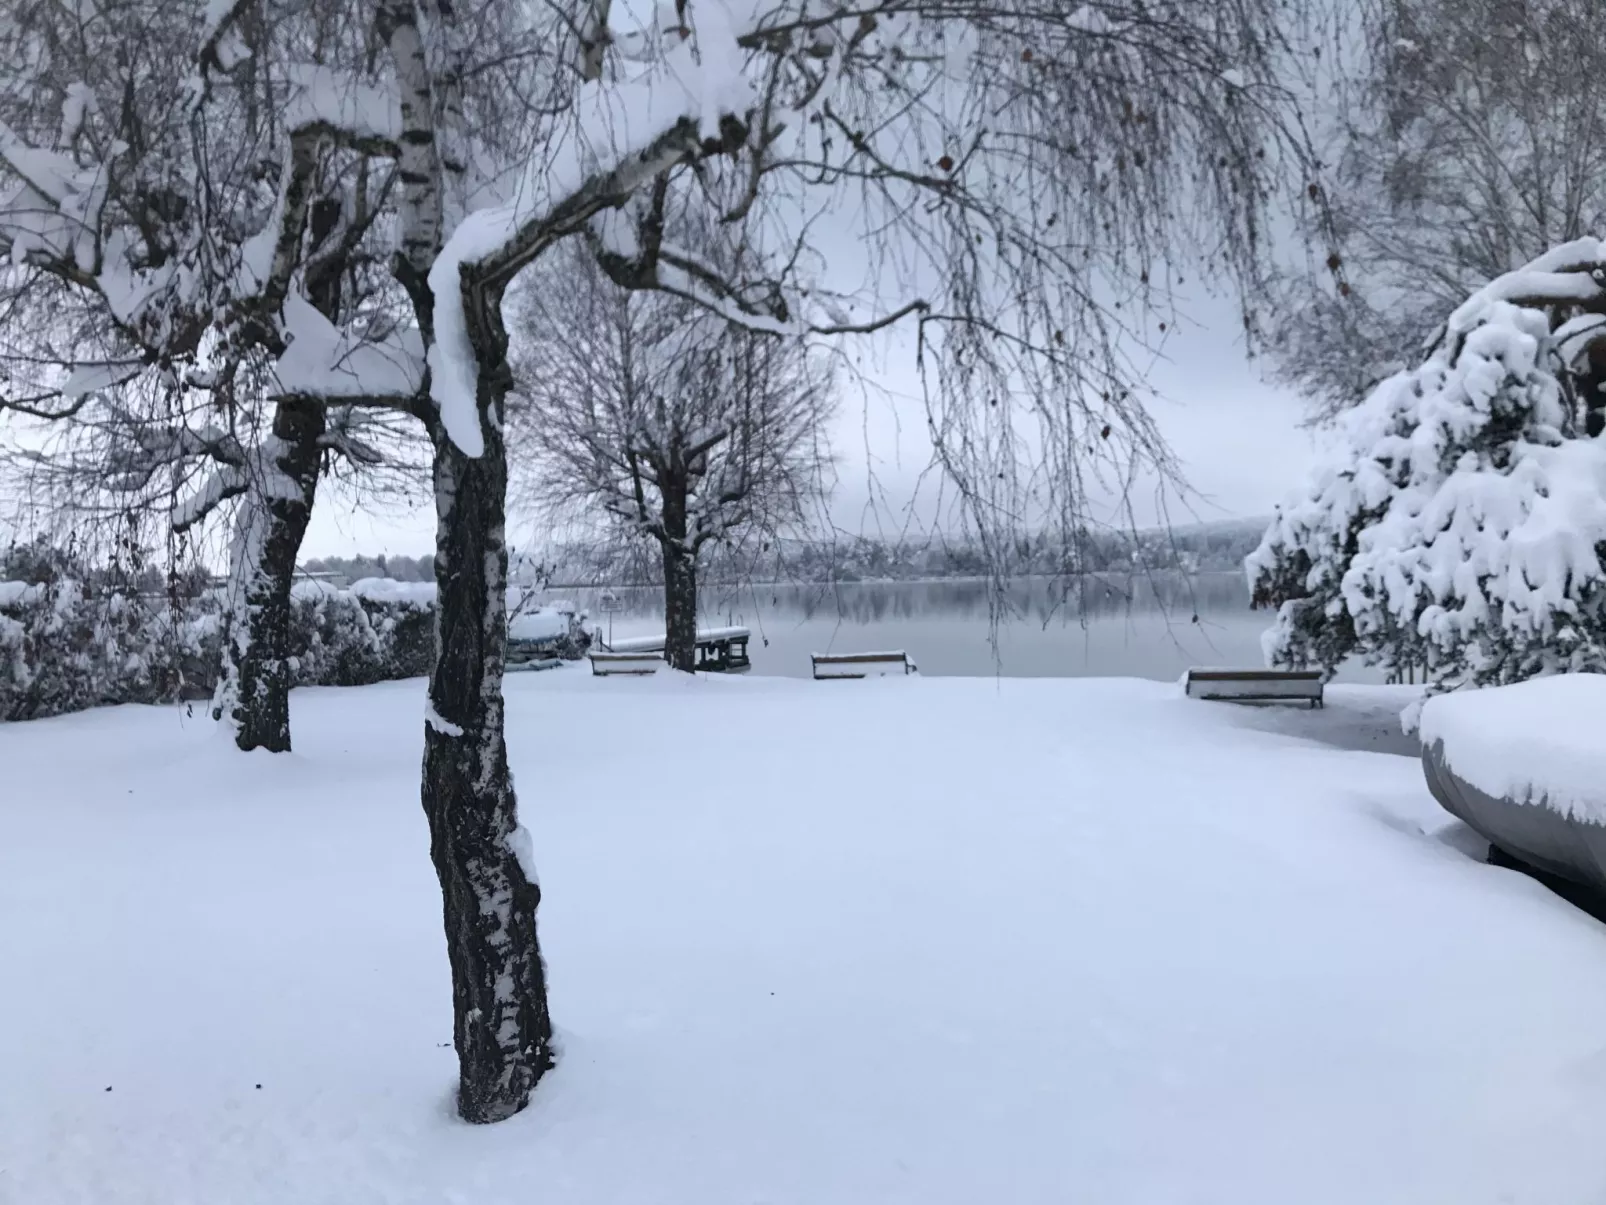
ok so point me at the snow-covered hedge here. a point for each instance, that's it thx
(1459, 527)
(65, 647)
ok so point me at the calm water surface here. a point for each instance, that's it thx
(1150, 628)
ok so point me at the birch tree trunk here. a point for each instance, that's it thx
(501, 1027)
(253, 691)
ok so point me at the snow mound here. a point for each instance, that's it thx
(1535, 742)
(860, 960)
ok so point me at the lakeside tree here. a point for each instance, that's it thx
(675, 425)
(1465, 142)
(1019, 176)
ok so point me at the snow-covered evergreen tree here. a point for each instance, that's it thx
(1460, 525)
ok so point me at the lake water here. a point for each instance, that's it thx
(1152, 627)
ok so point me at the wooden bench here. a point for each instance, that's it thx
(1256, 685)
(633, 664)
(831, 666)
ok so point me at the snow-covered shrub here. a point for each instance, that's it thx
(1459, 527)
(402, 615)
(65, 645)
(332, 642)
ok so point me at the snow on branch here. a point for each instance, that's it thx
(92, 377)
(258, 474)
(218, 488)
(367, 116)
(623, 136)
(328, 363)
(1572, 273)
(52, 174)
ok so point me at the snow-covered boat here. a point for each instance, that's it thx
(1523, 766)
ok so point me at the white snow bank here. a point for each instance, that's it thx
(311, 589)
(388, 590)
(1534, 742)
(543, 623)
(945, 942)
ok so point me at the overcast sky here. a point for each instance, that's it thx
(1238, 437)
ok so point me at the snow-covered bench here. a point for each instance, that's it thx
(830, 666)
(635, 664)
(1256, 685)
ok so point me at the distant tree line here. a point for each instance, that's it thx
(355, 568)
(1218, 547)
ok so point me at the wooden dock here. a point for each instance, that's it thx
(719, 650)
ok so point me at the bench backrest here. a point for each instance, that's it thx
(639, 664)
(1254, 684)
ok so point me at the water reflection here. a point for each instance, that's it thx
(1154, 627)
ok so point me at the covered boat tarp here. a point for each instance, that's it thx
(1524, 766)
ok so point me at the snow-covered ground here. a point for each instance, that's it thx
(915, 941)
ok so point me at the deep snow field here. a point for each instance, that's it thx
(918, 941)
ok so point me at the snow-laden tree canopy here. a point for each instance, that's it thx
(1459, 525)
